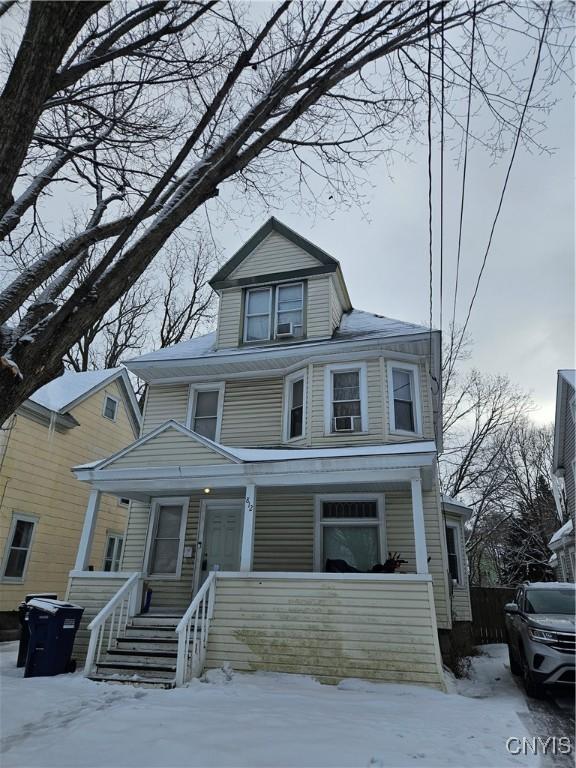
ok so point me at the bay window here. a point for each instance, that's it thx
(295, 406)
(350, 529)
(345, 398)
(404, 403)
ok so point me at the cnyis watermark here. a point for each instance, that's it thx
(539, 745)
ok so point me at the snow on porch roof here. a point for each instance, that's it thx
(561, 532)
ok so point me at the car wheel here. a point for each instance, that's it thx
(515, 668)
(533, 689)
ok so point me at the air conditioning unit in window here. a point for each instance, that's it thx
(343, 424)
(284, 331)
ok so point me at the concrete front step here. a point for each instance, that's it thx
(143, 682)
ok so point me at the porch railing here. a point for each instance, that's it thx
(193, 631)
(111, 621)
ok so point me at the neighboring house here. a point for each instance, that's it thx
(77, 416)
(282, 458)
(564, 471)
(455, 515)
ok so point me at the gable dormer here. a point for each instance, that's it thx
(279, 288)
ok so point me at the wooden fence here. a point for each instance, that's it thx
(488, 613)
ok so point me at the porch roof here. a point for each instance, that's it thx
(127, 473)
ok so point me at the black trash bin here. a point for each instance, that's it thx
(52, 625)
(24, 634)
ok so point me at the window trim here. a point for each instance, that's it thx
(113, 535)
(414, 369)
(275, 308)
(215, 386)
(16, 516)
(319, 523)
(155, 503)
(116, 401)
(289, 380)
(459, 552)
(245, 317)
(329, 390)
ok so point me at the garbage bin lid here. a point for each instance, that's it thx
(51, 606)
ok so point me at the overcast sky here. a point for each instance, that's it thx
(523, 319)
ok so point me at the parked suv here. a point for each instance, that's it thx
(541, 635)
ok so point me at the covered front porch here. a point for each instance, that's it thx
(243, 548)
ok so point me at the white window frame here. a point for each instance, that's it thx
(16, 516)
(116, 401)
(288, 382)
(276, 291)
(155, 503)
(459, 551)
(329, 391)
(393, 365)
(219, 387)
(319, 523)
(270, 290)
(115, 554)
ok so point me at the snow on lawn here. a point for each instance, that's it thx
(260, 719)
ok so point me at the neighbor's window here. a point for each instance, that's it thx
(290, 310)
(283, 303)
(295, 394)
(403, 398)
(113, 552)
(350, 531)
(18, 547)
(167, 542)
(110, 407)
(205, 416)
(453, 553)
(346, 405)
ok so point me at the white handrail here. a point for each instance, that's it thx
(192, 630)
(126, 600)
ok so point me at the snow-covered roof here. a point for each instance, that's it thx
(565, 530)
(568, 375)
(456, 507)
(290, 454)
(58, 394)
(355, 324)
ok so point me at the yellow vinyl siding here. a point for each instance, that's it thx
(336, 309)
(318, 308)
(165, 402)
(461, 607)
(169, 448)
(284, 531)
(36, 479)
(331, 629)
(274, 254)
(252, 414)
(229, 318)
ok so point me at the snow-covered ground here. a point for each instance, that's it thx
(260, 720)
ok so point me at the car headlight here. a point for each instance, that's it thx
(542, 635)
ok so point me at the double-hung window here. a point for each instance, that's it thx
(113, 552)
(274, 312)
(350, 529)
(205, 410)
(453, 548)
(295, 406)
(18, 547)
(346, 399)
(404, 405)
(167, 539)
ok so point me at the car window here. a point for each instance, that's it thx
(550, 601)
(519, 599)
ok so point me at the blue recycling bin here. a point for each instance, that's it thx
(52, 626)
(24, 632)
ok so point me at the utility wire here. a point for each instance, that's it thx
(516, 143)
(464, 169)
(442, 168)
(430, 241)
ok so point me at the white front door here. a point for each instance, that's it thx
(222, 537)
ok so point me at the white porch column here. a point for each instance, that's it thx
(90, 518)
(248, 528)
(419, 530)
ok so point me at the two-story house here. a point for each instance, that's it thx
(285, 510)
(78, 416)
(564, 475)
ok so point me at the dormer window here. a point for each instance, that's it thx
(274, 312)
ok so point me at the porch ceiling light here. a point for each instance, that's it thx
(207, 490)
